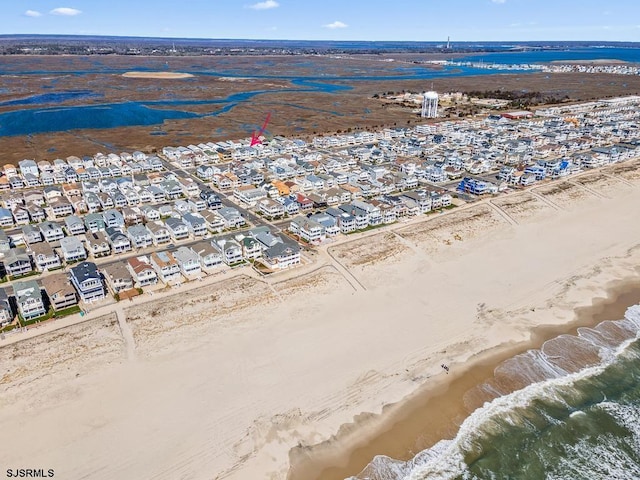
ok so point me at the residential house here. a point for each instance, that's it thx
(59, 290)
(17, 262)
(177, 228)
(60, 207)
(308, 230)
(214, 222)
(208, 255)
(113, 219)
(45, 257)
(72, 249)
(5, 242)
(251, 248)
(21, 216)
(159, 233)
(6, 218)
(6, 312)
(196, 224)
(118, 277)
(166, 266)
(346, 222)
(118, 240)
(140, 236)
(188, 260)
(141, 271)
(97, 244)
(31, 234)
(29, 299)
(87, 281)
(230, 249)
(271, 208)
(94, 222)
(232, 217)
(74, 225)
(282, 255)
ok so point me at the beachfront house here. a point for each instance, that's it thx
(166, 266)
(118, 277)
(6, 312)
(141, 271)
(87, 281)
(60, 292)
(230, 250)
(208, 256)
(188, 261)
(29, 299)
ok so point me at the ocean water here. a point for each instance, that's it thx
(630, 54)
(579, 419)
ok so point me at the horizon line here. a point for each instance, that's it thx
(444, 41)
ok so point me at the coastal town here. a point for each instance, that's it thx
(82, 231)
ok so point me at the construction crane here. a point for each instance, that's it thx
(255, 136)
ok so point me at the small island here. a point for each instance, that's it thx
(165, 75)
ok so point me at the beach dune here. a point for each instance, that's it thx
(227, 378)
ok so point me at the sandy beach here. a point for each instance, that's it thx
(225, 378)
(158, 75)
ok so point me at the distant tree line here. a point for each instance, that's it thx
(519, 98)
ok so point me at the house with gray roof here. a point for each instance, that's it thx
(195, 223)
(6, 312)
(29, 299)
(17, 262)
(114, 219)
(51, 231)
(94, 222)
(140, 236)
(282, 255)
(188, 261)
(31, 234)
(118, 240)
(177, 228)
(72, 249)
(74, 225)
(6, 218)
(87, 281)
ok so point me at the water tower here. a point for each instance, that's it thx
(429, 105)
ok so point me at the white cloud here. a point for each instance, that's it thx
(498, 1)
(266, 5)
(336, 24)
(32, 13)
(65, 11)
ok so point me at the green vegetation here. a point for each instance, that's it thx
(65, 312)
(26, 275)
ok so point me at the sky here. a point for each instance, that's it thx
(401, 20)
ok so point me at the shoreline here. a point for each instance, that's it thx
(399, 431)
(268, 364)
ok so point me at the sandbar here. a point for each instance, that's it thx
(158, 75)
